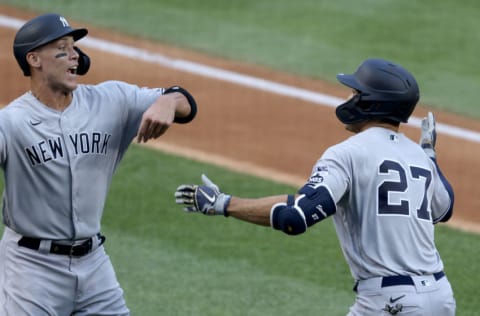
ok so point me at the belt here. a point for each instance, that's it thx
(61, 249)
(396, 280)
(405, 279)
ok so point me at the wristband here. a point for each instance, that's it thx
(191, 101)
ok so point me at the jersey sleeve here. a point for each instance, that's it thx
(332, 172)
(3, 140)
(443, 196)
(135, 101)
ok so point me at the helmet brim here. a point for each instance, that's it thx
(349, 81)
(77, 34)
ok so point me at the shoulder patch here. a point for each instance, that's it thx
(318, 174)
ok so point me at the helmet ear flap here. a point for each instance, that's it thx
(350, 111)
(83, 62)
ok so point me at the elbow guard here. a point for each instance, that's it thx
(191, 101)
(287, 218)
(295, 216)
(316, 202)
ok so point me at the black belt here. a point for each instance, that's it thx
(60, 249)
(395, 280)
(405, 279)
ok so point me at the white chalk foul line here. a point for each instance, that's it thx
(233, 77)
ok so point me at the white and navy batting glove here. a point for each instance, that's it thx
(428, 137)
(205, 198)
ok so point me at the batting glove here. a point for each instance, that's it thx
(205, 198)
(428, 138)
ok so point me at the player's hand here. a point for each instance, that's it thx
(157, 118)
(428, 138)
(206, 198)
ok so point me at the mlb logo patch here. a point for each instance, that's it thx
(425, 283)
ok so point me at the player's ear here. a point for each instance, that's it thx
(33, 59)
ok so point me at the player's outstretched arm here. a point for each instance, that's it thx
(292, 214)
(428, 137)
(209, 200)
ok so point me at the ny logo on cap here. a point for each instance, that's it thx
(64, 21)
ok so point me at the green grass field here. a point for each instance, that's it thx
(173, 263)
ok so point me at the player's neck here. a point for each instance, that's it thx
(391, 127)
(363, 126)
(55, 99)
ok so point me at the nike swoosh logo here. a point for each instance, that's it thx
(210, 199)
(35, 122)
(393, 300)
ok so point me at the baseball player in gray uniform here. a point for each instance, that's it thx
(60, 144)
(384, 192)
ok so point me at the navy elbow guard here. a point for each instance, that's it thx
(316, 202)
(295, 216)
(191, 101)
(286, 218)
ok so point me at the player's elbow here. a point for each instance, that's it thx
(289, 220)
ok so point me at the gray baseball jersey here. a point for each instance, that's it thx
(58, 165)
(389, 194)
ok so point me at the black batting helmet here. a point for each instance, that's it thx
(40, 31)
(385, 91)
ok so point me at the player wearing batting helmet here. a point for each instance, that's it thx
(384, 192)
(60, 144)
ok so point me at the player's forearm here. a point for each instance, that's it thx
(256, 211)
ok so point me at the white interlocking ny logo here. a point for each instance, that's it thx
(64, 22)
